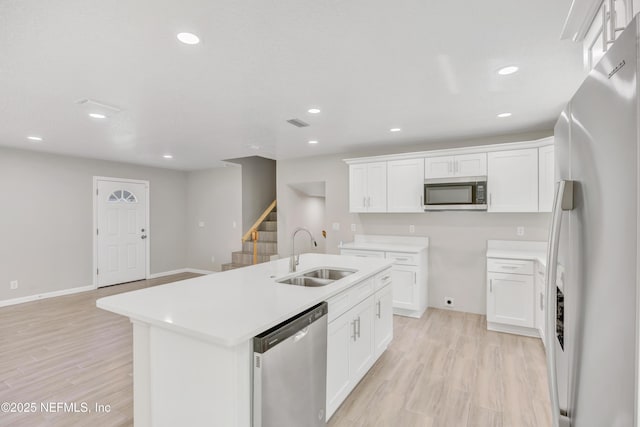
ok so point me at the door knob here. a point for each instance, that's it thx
(144, 236)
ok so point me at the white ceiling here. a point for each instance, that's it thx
(428, 67)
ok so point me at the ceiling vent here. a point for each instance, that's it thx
(298, 123)
(93, 106)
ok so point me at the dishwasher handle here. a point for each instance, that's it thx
(297, 326)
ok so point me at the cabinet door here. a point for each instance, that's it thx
(438, 167)
(340, 335)
(471, 165)
(405, 287)
(546, 178)
(513, 181)
(358, 188)
(361, 349)
(377, 187)
(383, 320)
(510, 299)
(405, 184)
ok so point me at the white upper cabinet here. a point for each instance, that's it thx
(546, 178)
(405, 183)
(513, 180)
(456, 166)
(368, 187)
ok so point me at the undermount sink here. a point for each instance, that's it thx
(318, 277)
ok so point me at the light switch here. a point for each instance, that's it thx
(412, 229)
(201, 224)
(353, 227)
(520, 231)
(335, 226)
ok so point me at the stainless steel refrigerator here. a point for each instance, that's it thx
(592, 264)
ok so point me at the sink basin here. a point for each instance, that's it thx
(329, 273)
(306, 281)
(318, 277)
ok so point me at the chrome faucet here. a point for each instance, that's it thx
(295, 259)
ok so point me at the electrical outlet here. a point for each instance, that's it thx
(353, 227)
(234, 224)
(449, 302)
(335, 226)
(13, 284)
(520, 231)
(412, 229)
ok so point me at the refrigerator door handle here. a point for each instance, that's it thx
(563, 201)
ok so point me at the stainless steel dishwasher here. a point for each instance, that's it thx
(289, 371)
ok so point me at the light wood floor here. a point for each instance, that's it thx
(65, 349)
(445, 369)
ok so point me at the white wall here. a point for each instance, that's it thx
(214, 197)
(457, 239)
(46, 219)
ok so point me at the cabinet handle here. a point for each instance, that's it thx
(541, 301)
(364, 202)
(415, 278)
(491, 285)
(379, 310)
(353, 327)
(358, 326)
(510, 267)
(455, 169)
(490, 200)
(449, 165)
(368, 202)
(401, 258)
(385, 278)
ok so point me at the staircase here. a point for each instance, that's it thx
(267, 242)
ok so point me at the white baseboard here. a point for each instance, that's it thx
(198, 271)
(181, 270)
(29, 298)
(167, 273)
(36, 297)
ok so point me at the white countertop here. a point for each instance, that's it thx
(387, 243)
(534, 251)
(232, 307)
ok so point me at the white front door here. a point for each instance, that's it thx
(121, 231)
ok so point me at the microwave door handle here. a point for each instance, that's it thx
(563, 201)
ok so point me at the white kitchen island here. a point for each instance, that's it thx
(192, 348)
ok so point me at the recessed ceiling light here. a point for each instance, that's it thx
(395, 130)
(34, 138)
(503, 115)
(188, 38)
(505, 71)
(313, 142)
(168, 156)
(97, 116)
(254, 146)
(313, 110)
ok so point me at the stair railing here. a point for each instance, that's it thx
(253, 231)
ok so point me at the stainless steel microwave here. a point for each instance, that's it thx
(465, 193)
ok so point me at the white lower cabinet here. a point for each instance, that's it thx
(357, 337)
(383, 320)
(405, 287)
(409, 273)
(510, 296)
(540, 302)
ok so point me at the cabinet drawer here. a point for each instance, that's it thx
(403, 258)
(512, 266)
(360, 292)
(383, 279)
(361, 253)
(342, 302)
(338, 305)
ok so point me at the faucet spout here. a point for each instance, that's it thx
(295, 259)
